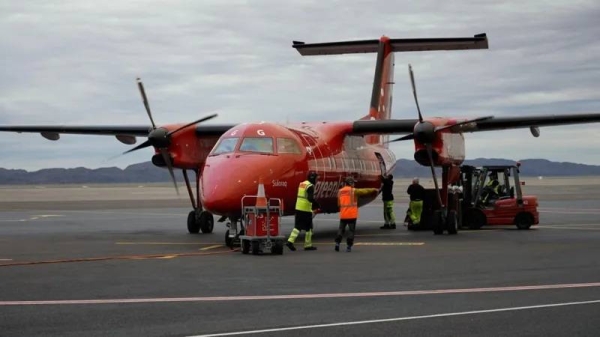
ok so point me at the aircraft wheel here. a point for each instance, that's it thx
(451, 223)
(206, 222)
(228, 240)
(193, 225)
(438, 223)
(523, 221)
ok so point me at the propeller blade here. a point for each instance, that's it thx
(479, 119)
(141, 146)
(437, 189)
(145, 99)
(165, 156)
(407, 137)
(412, 82)
(192, 123)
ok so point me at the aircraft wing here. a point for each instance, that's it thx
(406, 126)
(52, 132)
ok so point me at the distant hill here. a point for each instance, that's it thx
(406, 168)
(148, 173)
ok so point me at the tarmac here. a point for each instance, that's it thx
(117, 261)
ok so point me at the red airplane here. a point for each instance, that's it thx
(230, 160)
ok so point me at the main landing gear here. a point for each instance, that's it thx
(198, 219)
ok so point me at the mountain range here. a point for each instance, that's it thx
(147, 173)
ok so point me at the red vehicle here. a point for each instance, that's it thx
(480, 206)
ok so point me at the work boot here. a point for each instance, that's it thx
(337, 247)
(290, 246)
(310, 248)
(386, 226)
(393, 226)
(348, 249)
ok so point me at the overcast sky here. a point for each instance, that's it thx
(75, 63)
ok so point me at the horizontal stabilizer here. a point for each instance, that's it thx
(398, 45)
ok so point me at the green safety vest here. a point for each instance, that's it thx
(302, 203)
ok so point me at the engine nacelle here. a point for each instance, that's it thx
(447, 149)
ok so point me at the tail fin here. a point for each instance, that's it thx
(381, 97)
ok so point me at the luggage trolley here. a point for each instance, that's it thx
(261, 227)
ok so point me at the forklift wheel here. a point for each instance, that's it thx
(438, 223)
(523, 220)
(475, 218)
(245, 246)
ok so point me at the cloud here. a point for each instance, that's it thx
(75, 62)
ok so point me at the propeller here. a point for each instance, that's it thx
(160, 138)
(424, 131)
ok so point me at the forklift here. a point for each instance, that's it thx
(472, 202)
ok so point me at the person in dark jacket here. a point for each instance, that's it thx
(415, 207)
(388, 202)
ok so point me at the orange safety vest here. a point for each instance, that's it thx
(348, 203)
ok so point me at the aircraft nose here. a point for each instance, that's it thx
(226, 179)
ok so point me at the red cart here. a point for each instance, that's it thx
(261, 226)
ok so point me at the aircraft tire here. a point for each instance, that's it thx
(452, 223)
(228, 240)
(206, 222)
(438, 223)
(193, 225)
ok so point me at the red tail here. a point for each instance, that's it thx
(381, 97)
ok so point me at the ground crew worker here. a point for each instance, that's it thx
(348, 204)
(305, 203)
(388, 202)
(415, 207)
(491, 189)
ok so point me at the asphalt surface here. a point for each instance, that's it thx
(72, 267)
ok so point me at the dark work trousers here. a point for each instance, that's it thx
(351, 223)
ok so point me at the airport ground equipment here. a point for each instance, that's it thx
(467, 206)
(261, 223)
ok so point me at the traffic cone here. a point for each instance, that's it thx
(261, 199)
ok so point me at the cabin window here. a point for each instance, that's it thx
(257, 144)
(226, 145)
(288, 145)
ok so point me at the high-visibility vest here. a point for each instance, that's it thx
(348, 203)
(302, 203)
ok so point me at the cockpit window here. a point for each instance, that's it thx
(226, 145)
(257, 144)
(288, 145)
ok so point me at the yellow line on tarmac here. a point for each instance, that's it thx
(211, 247)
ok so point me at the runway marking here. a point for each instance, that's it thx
(570, 228)
(386, 235)
(302, 296)
(6, 259)
(34, 217)
(164, 243)
(121, 257)
(398, 319)
(389, 243)
(211, 247)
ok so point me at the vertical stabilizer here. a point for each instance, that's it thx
(381, 97)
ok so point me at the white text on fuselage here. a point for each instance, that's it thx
(279, 183)
(327, 189)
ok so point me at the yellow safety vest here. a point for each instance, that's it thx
(302, 203)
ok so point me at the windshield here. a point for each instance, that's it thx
(226, 145)
(288, 145)
(257, 144)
